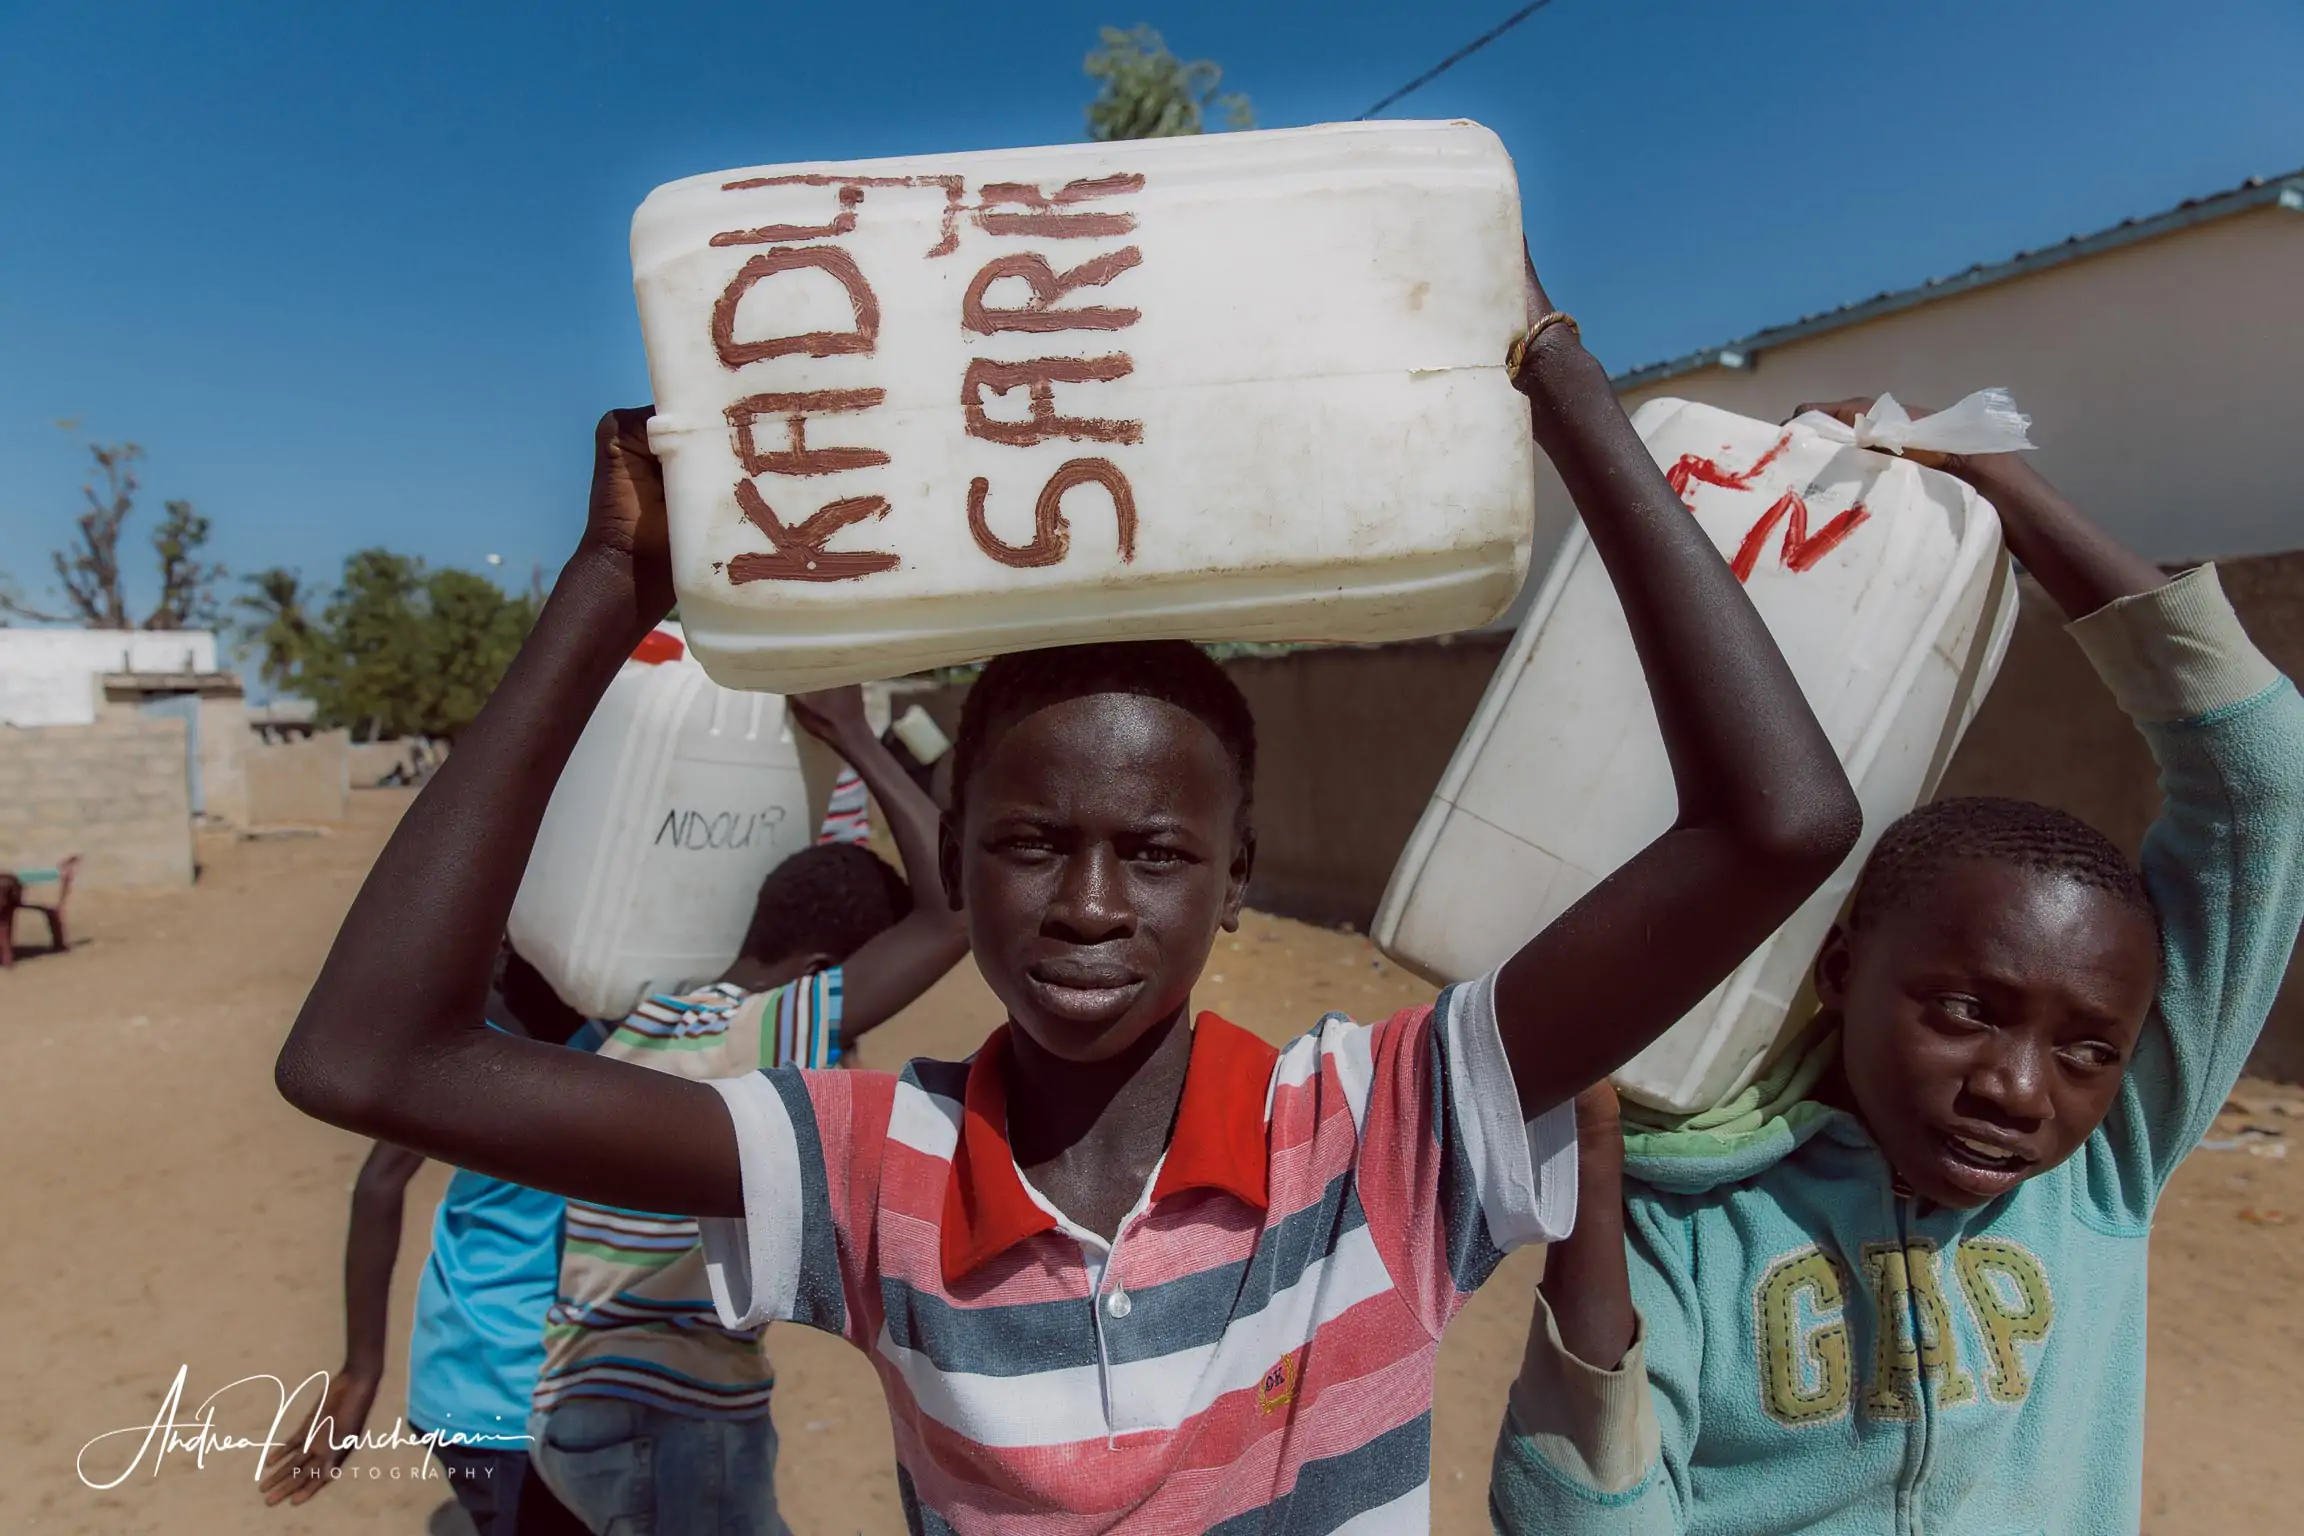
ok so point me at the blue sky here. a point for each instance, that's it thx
(356, 274)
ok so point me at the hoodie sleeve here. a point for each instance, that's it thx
(1606, 1451)
(2224, 862)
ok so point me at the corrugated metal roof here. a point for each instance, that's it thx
(2256, 192)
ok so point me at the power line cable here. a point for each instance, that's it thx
(1458, 57)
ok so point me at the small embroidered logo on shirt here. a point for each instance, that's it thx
(1278, 1388)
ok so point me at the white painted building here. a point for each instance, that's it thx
(56, 676)
(2161, 360)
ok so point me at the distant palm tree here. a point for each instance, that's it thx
(274, 624)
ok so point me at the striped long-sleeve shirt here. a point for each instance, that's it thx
(634, 1318)
(1254, 1351)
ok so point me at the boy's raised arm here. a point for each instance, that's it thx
(895, 966)
(1582, 1447)
(1587, 1285)
(391, 1042)
(1765, 811)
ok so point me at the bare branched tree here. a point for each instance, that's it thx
(88, 571)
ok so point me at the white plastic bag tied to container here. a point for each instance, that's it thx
(679, 799)
(1241, 387)
(1984, 422)
(1885, 585)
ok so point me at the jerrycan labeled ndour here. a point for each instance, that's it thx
(679, 799)
(1888, 590)
(1241, 387)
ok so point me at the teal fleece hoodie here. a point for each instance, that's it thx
(1820, 1355)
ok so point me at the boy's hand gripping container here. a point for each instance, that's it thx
(680, 797)
(1238, 387)
(1887, 588)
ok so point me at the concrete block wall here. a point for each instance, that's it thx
(372, 760)
(300, 783)
(225, 741)
(114, 793)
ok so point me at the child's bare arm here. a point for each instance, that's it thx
(1765, 811)
(1586, 1281)
(297, 1469)
(1584, 1446)
(892, 968)
(391, 1041)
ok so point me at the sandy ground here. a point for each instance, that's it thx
(189, 1219)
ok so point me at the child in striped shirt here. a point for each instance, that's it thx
(1127, 1267)
(647, 1407)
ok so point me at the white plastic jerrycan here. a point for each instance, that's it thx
(1887, 588)
(1236, 387)
(680, 798)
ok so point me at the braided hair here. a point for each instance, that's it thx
(1985, 829)
(1173, 671)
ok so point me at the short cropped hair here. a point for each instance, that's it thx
(825, 900)
(1986, 829)
(1173, 671)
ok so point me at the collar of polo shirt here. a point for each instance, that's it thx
(1219, 1143)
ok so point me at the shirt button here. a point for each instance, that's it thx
(1118, 1304)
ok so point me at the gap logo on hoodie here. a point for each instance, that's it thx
(1971, 1334)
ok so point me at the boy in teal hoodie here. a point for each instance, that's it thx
(1899, 1284)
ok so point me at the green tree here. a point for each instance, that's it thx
(273, 625)
(187, 584)
(1146, 92)
(364, 671)
(402, 650)
(473, 634)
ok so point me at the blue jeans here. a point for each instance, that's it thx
(628, 1469)
(500, 1494)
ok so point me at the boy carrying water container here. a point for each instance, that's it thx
(648, 1410)
(1899, 1284)
(1127, 1268)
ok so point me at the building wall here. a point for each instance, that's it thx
(300, 783)
(225, 741)
(114, 793)
(370, 761)
(1350, 743)
(2164, 380)
(49, 676)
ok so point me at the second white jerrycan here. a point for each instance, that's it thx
(1888, 590)
(1247, 386)
(679, 799)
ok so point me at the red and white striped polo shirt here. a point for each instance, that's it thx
(1258, 1354)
